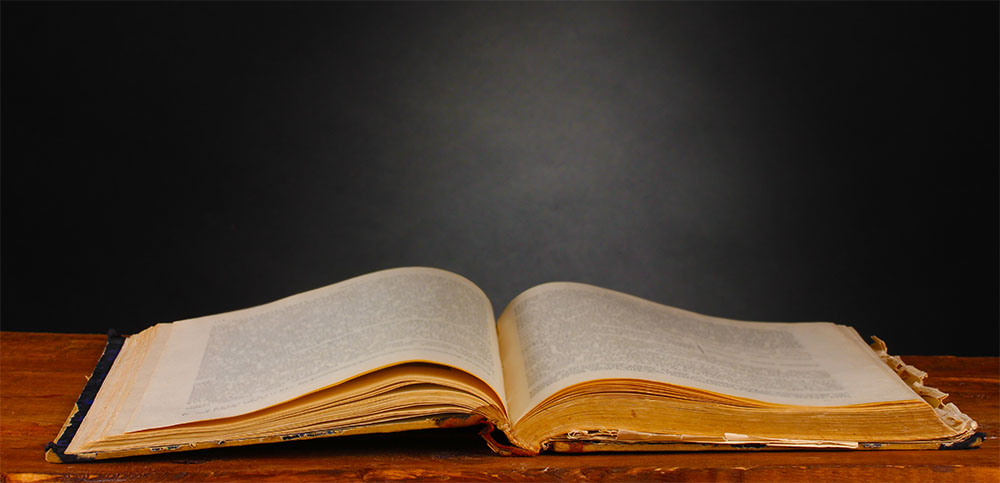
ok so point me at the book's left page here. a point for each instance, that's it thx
(239, 362)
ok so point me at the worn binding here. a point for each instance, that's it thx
(55, 451)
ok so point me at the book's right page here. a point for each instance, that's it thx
(560, 334)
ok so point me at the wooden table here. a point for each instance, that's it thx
(41, 376)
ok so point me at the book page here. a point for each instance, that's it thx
(238, 362)
(560, 334)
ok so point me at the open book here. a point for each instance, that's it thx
(568, 367)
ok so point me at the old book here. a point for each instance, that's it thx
(567, 367)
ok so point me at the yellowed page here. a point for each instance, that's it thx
(233, 363)
(560, 334)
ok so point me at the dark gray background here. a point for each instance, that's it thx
(781, 162)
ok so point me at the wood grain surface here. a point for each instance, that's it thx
(41, 376)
